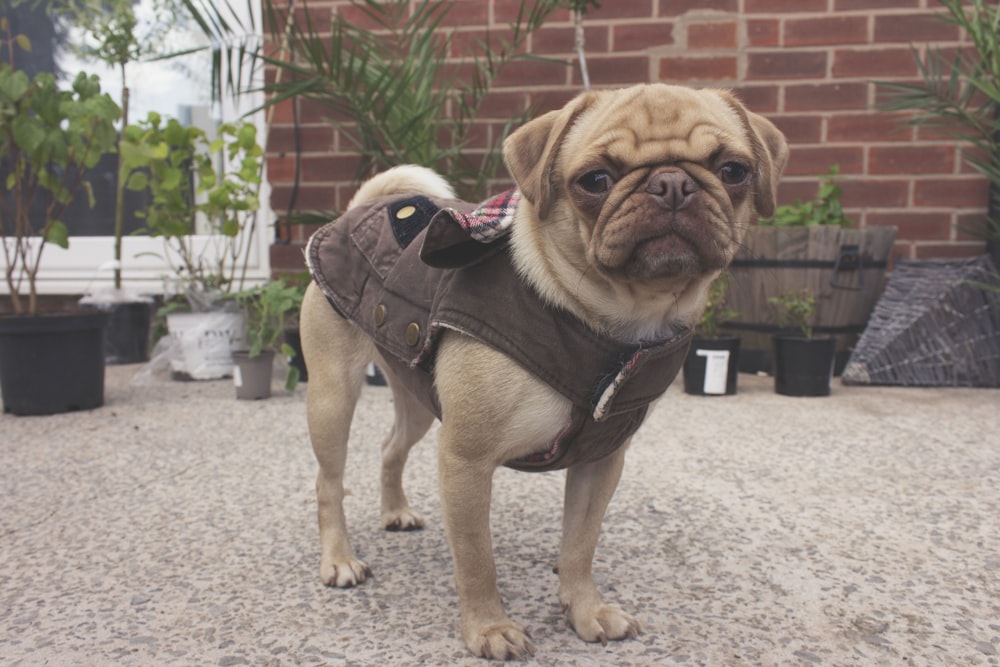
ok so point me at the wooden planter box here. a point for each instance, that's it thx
(843, 268)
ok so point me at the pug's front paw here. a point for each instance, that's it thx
(502, 641)
(344, 574)
(603, 623)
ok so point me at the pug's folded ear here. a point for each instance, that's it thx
(530, 151)
(770, 151)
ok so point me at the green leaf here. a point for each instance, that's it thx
(137, 181)
(23, 42)
(58, 234)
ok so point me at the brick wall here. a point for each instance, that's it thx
(808, 65)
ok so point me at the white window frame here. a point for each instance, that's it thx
(87, 265)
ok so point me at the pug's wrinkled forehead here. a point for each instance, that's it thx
(654, 125)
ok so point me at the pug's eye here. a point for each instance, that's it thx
(596, 182)
(733, 173)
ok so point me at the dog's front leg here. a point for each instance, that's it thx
(466, 489)
(589, 488)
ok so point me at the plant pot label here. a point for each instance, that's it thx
(716, 370)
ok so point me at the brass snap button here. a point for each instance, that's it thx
(412, 334)
(379, 315)
(405, 212)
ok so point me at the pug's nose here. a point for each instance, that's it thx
(672, 189)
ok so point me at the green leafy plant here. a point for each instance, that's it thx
(117, 37)
(187, 176)
(716, 311)
(267, 309)
(959, 95)
(796, 310)
(48, 138)
(826, 209)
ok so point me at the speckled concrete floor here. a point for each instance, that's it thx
(175, 526)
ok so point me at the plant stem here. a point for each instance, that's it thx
(120, 193)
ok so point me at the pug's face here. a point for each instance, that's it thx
(659, 181)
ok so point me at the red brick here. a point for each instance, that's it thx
(524, 73)
(311, 138)
(310, 111)
(547, 41)
(354, 15)
(914, 226)
(329, 168)
(826, 30)
(784, 6)
(473, 43)
(307, 198)
(925, 133)
(791, 191)
(715, 35)
(614, 71)
(640, 36)
(786, 65)
(287, 257)
(679, 7)
(800, 129)
(632, 9)
(951, 192)
(674, 70)
(867, 127)
(911, 160)
(761, 99)
(948, 250)
(913, 28)
(817, 160)
(763, 32)
(871, 5)
(281, 169)
(826, 97)
(876, 192)
(856, 63)
(465, 12)
(503, 104)
(506, 12)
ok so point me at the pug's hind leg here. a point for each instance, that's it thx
(336, 353)
(589, 488)
(411, 423)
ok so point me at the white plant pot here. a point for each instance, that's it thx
(203, 343)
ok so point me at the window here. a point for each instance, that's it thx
(178, 87)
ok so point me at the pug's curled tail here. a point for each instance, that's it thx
(407, 179)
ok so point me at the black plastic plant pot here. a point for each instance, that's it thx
(712, 366)
(803, 366)
(51, 364)
(126, 338)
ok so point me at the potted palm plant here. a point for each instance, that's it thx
(803, 363)
(267, 309)
(48, 137)
(712, 364)
(959, 94)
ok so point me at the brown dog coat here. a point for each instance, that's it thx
(405, 269)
